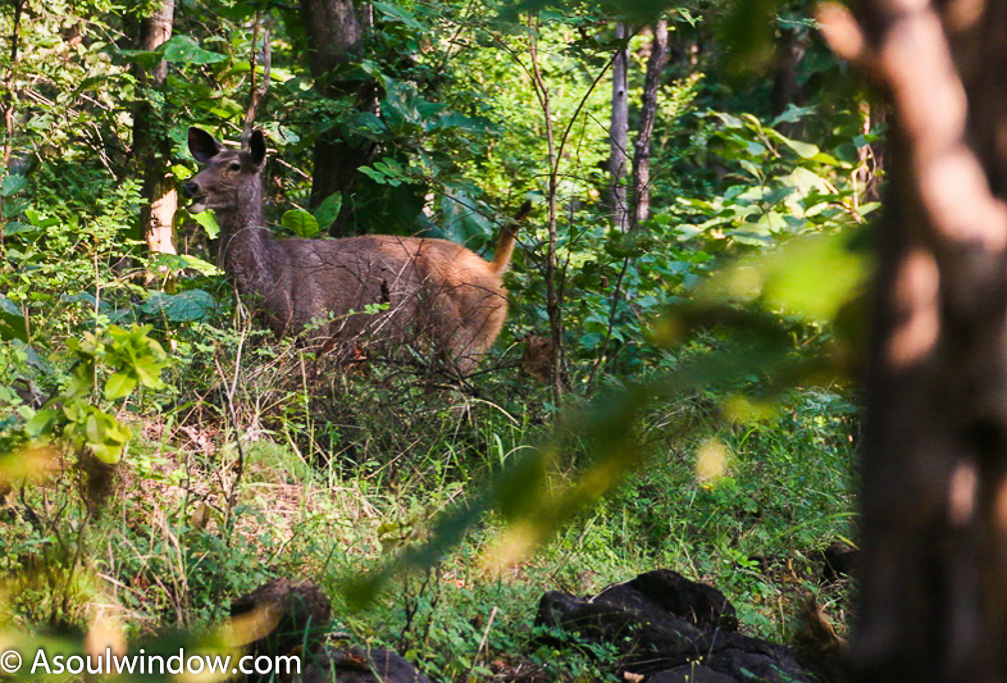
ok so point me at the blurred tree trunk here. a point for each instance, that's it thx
(151, 145)
(933, 603)
(618, 157)
(645, 130)
(790, 50)
(336, 30)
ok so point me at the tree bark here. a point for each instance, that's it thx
(152, 148)
(790, 50)
(618, 158)
(933, 603)
(641, 147)
(336, 30)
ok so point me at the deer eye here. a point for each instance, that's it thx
(235, 166)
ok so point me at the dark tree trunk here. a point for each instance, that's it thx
(151, 145)
(934, 526)
(336, 30)
(790, 49)
(641, 147)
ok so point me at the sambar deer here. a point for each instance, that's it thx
(432, 290)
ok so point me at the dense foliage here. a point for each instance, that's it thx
(166, 455)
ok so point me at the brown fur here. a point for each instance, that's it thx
(538, 358)
(435, 290)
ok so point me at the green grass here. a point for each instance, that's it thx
(339, 471)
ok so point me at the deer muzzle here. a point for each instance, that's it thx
(191, 190)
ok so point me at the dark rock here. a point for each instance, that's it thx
(359, 666)
(838, 560)
(661, 622)
(690, 674)
(284, 616)
(291, 618)
(703, 605)
(625, 618)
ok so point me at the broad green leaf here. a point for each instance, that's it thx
(329, 209)
(185, 50)
(188, 306)
(119, 385)
(12, 325)
(38, 221)
(805, 150)
(13, 184)
(149, 373)
(17, 227)
(396, 13)
(94, 429)
(752, 169)
(8, 306)
(145, 58)
(14, 206)
(300, 222)
(108, 453)
(201, 266)
(40, 423)
(208, 222)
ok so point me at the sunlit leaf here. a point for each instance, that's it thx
(185, 50)
(119, 385)
(300, 222)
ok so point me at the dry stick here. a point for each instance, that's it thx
(229, 391)
(552, 303)
(257, 93)
(482, 643)
(553, 296)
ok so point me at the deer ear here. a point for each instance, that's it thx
(257, 147)
(202, 145)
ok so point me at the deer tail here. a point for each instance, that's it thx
(508, 238)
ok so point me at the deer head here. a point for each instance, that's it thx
(231, 177)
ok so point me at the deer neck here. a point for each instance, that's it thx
(246, 244)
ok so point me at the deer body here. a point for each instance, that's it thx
(431, 289)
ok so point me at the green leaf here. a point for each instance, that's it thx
(328, 210)
(207, 221)
(108, 453)
(13, 184)
(39, 423)
(9, 307)
(185, 50)
(399, 14)
(188, 306)
(804, 149)
(94, 429)
(300, 222)
(38, 221)
(14, 206)
(12, 325)
(149, 373)
(147, 59)
(200, 266)
(16, 227)
(119, 385)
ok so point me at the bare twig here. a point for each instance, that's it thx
(257, 92)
